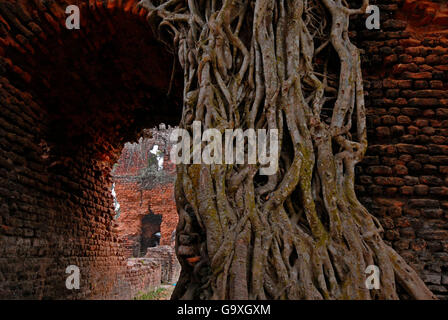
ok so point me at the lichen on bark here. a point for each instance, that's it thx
(300, 233)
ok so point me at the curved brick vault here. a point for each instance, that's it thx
(69, 99)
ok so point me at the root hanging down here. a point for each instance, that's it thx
(300, 233)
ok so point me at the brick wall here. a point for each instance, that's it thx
(142, 275)
(136, 200)
(134, 204)
(166, 256)
(66, 110)
(404, 177)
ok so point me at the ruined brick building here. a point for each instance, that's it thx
(145, 209)
(70, 99)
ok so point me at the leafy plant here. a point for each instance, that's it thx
(156, 294)
(152, 176)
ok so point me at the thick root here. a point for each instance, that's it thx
(301, 233)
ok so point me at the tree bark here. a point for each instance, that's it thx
(300, 233)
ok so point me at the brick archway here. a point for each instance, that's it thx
(70, 99)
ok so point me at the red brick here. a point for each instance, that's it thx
(406, 190)
(400, 170)
(383, 131)
(409, 148)
(424, 102)
(436, 84)
(421, 189)
(442, 112)
(379, 170)
(403, 120)
(417, 76)
(389, 181)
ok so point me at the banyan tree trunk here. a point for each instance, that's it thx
(300, 233)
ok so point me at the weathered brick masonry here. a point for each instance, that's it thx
(170, 266)
(136, 200)
(404, 177)
(69, 99)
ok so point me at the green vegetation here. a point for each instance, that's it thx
(157, 294)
